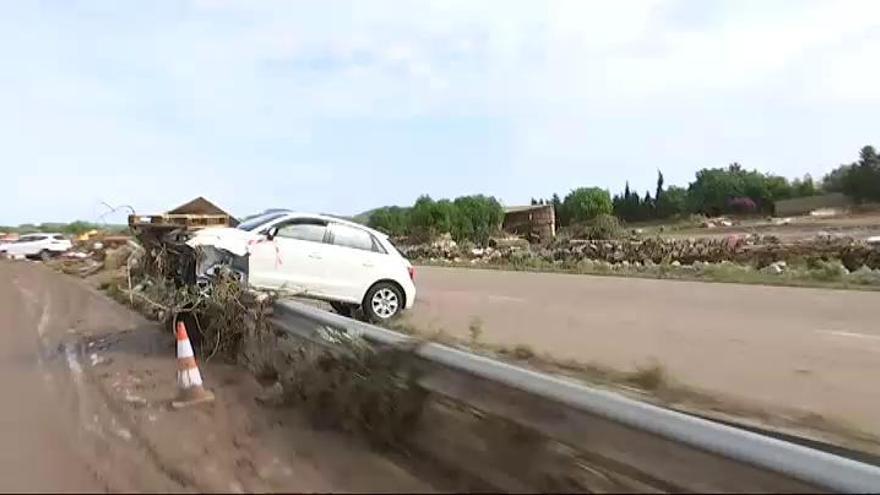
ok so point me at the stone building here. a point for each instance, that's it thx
(533, 222)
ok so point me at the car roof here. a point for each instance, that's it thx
(41, 233)
(330, 218)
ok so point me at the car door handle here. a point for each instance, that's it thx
(368, 265)
(315, 256)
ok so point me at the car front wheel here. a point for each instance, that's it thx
(383, 302)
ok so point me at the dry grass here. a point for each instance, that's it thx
(523, 352)
(359, 390)
(650, 377)
(475, 330)
(651, 381)
(356, 389)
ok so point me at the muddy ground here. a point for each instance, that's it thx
(811, 353)
(87, 384)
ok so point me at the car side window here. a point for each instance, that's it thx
(352, 237)
(312, 231)
(58, 237)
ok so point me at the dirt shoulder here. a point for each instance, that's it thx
(126, 374)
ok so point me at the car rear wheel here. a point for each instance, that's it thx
(344, 309)
(383, 302)
(45, 255)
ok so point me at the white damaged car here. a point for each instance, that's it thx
(40, 245)
(344, 263)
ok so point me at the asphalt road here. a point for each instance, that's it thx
(809, 349)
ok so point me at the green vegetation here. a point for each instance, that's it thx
(586, 203)
(648, 377)
(392, 220)
(475, 330)
(716, 191)
(590, 212)
(602, 227)
(468, 218)
(860, 179)
(74, 228)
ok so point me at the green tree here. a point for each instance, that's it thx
(865, 184)
(585, 203)
(476, 218)
(861, 179)
(429, 218)
(778, 188)
(835, 180)
(714, 188)
(659, 192)
(804, 187)
(672, 202)
(392, 220)
(628, 206)
(646, 208)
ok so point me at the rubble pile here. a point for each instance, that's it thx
(755, 250)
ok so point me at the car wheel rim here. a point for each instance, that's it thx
(385, 303)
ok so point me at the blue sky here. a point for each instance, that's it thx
(339, 107)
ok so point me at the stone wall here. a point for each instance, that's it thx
(758, 251)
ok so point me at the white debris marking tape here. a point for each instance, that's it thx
(189, 380)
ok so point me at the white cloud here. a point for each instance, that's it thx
(591, 91)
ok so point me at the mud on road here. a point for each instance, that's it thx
(87, 386)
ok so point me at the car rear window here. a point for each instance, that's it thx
(58, 237)
(311, 231)
(352, 237)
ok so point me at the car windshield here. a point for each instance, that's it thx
(255, 222)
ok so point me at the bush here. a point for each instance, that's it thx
(586, 203)
(865, 276)
(604, 227)
(828, 271)
(468, 218)
(429, 218)
(475, 218)
(651, 376)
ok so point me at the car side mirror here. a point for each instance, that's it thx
(270, 234)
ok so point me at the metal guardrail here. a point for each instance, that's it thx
(576, 414)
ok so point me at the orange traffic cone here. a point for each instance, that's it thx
(189, 380)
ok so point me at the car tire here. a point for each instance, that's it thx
(383, 302)
(45, 255)
(343, 309)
